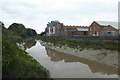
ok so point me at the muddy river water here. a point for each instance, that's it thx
(62, 65)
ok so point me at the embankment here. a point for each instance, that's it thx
(16, 63)
(102, 55)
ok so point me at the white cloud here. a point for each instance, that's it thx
(36, 13)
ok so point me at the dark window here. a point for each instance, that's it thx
(85, 33)
(95, 32)
(72, 32)
(109, 33)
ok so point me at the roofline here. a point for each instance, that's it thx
(75, 26)
(103, 25)
(95, 22)
(113, 27)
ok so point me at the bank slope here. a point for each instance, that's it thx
(17, 63)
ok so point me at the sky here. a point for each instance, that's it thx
(36, 14)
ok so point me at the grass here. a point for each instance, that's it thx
(16, 63)
(95, 44)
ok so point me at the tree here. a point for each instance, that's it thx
(42, 33)
(20, 30)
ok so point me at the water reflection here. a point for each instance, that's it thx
(94, 66)
(63, 65)
(29, 43)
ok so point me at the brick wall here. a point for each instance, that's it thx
(94, 29)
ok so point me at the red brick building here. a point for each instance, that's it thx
(99, 28)
(76, 30)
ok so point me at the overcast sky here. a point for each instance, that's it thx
(37, 13)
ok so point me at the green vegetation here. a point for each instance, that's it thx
(16, 63)
(20, 30)
(82, 44)
(42, 33)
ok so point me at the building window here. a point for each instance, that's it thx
(73, 33)
(109, 33)
(85, 33)
(90, 29)
(93, 24)
(94, 33)
(97, 33)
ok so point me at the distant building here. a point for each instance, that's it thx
(54, 28)
(97, 28)
(76, 30)
(100, 28)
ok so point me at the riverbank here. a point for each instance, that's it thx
(62, 65)
(102, 55)
(16, 63)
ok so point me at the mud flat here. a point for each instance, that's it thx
(108, 57)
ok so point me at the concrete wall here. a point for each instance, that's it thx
(55, 28)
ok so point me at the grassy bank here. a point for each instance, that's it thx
(17, 63)
(82, 44)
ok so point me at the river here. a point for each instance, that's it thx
(62, 65)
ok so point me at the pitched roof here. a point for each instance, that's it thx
(71, 29)
(75, 26)
(82, 29)
(106, 23)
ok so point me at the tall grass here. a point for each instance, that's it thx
(95, 44)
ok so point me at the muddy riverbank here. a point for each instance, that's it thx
(109, 57)
(62, 65)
